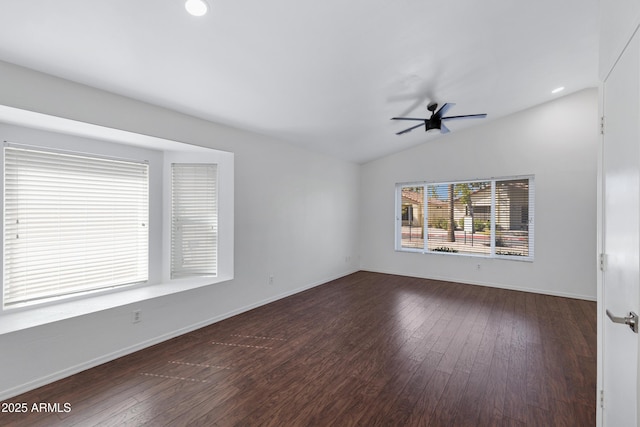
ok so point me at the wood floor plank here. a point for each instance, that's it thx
(536, 378)
(469, 412)
(424, 411)
(450, 402)
(515, 405)
(366, 349)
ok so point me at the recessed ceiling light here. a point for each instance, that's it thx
(196, 7)
(558, 89)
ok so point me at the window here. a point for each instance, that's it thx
(77, 223)
(194, 222)
(482, 217)
(72, 223)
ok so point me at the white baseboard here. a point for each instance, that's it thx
(487, 284)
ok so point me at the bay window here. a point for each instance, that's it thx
(109, 218)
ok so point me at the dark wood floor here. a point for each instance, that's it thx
(368, 349)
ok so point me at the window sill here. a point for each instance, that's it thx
(17, 319)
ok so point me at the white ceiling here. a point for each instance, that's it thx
(326, 75)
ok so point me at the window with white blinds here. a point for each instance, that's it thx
(513, 218)
(194, 220)
(72, 223)
(491, 217)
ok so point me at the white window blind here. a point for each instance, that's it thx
(482, 217)
(72, 223)
(194, 217)
(413, 217)
(513, 219)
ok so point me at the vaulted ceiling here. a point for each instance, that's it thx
(326, 75)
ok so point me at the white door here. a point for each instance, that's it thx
(621, 238)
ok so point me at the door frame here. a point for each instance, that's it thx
(598, 255)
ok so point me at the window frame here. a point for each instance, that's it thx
(398, 241)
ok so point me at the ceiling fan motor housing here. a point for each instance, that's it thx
(433, 123)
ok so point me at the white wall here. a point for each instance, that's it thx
(557, 142)
(296, 216)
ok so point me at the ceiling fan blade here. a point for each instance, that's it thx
(469, 116)
(407, 118)
(443, 110)
(443, 128)
(410, 129)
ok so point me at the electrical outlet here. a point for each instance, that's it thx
(136, 316)
(477, 266)
(271, 279)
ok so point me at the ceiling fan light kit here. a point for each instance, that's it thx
(437, 118)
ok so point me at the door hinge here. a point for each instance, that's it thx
(602, 398)
(601, 125)
(603, 261)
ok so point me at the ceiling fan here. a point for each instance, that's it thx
(436, 120)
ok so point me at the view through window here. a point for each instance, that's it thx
(481, 217)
